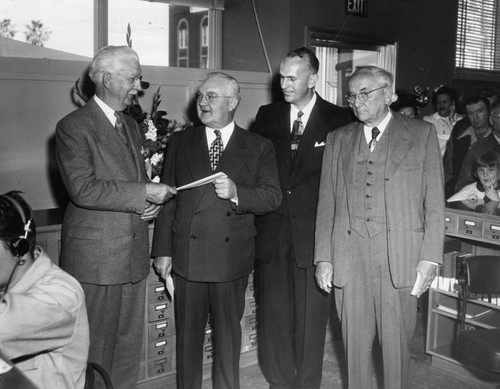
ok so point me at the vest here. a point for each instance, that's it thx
(369, 217)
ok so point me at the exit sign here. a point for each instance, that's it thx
(356, 7)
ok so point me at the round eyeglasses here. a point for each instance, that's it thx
(210, 96)
(363, 96)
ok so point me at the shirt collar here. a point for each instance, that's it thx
(306, 112)
(470, 132)
(225, 133)
(108, 111)
(381, 127)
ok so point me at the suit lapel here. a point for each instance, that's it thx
(399, 143)
(230, 163)
(283, 132)
(110, 140)
(234, 154)
(349, 149)
(198, 163)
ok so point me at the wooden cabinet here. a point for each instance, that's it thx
(157, 368)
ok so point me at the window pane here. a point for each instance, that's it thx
(38, 27)
(477, 35)
(162, 34)
(149, 25)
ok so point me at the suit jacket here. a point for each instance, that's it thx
(104, 240)
(210, 239)
(299, 179)
(414, 198)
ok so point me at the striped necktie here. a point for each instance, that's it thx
(120, 128)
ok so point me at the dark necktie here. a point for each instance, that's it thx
(373, 142)
(216, 149)
(297, 130)
(120, 128)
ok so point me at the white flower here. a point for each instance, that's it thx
(156, 158)
(151, 134)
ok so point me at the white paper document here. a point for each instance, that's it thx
(418, 285)
(202, 181)
(169, 283)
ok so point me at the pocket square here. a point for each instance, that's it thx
(319, 144)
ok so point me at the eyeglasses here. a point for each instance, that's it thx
(131, 80)
(210, 96)
(363, 96)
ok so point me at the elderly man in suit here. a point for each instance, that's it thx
(292, 310)
(206, 236)
(380, 221)
(105, 226)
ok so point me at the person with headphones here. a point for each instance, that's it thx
(43, 319)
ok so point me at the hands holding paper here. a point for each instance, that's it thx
(426, 272)
(225, 188)
(163, 265)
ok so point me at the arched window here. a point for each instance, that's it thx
(204, 39)
(183, 43)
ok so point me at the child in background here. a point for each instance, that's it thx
(486, 172)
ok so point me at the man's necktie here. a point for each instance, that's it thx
(297, 130)
(216, 149)
(373, 142)
(120, 128)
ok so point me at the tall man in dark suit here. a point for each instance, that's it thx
(105, 227)
(292, 310)
(206, 236)
(380, 222)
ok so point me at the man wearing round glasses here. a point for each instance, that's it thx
(380, 221)
(206, 236)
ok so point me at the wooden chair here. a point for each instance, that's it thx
(478, 350)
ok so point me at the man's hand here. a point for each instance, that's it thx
(150, 212)
(428, 271)
(163, 265)
(324, 276)
(159, 193)
(225, 188)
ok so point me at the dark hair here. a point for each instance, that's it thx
(477, 99)
(11, 221)
(487, 159)
(444, 90)
(495, 105)
(308, 55)
(485, 91)
(406, 99)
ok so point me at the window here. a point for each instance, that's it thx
(182, 35)
(478, 34)
(340, 55)
(204, 43)
(52, 29)
(183, 44)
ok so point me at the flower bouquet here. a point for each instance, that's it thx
(156, 131)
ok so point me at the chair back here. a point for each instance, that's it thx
(483, 274)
